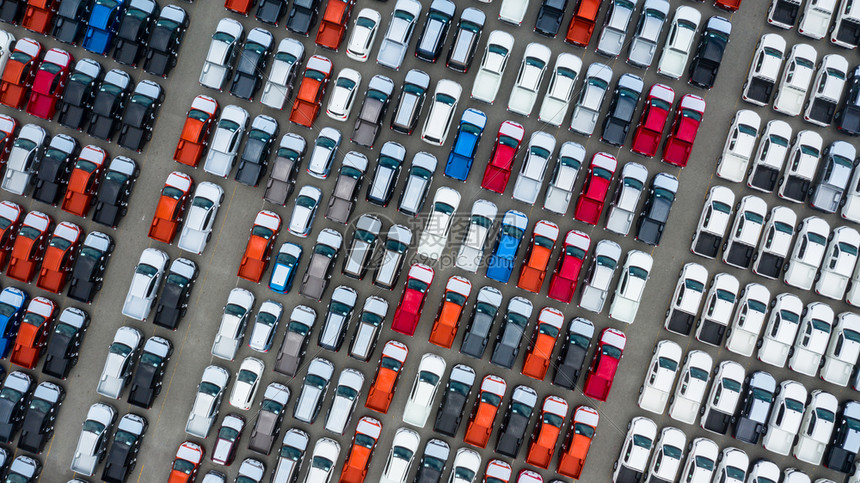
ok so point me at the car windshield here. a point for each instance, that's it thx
(611, 351)
(305, 201)
(340, 308)
(271, 406)
(428, 377)
(789, 316)
(145, 269)
(508, 141)
(845, 247)
(446, 99)
(667, 363)
(346, 392)
(583, 429)
(694, 285)
(63, 244)
(418, 285)
(183, 466)
(490, 398)
(209, 388)
(7, 310)
(794, 405)
(553, 420)
(748, 130)
(285, 259)
(816, 238)
(642, 441)
(731, 384)
(757, 306)
(390, 363)
(371, 318)
(150, 359)
(261, 231)
(322, 463)
(298, 328)
(459, 387)
(245, 479)
(266, 318)
(325, 250)
(234, 310)
(115, 177)
(762, 395)
(455, 298)
(125, 438)
(672, 451)
(549, 330)
(543, 241)
(246, 376)
(783, 227)
(364, 440)
(201, 202)
(119, 349)
(176, 279)
(705, 463)
(512, 231)
(291, 453)
(10, 394)
(348, 84)
(402, 453)
(464, 474)
(633, 183)
(43, 406)
(601, 173)
(228, 125)
(851, 335)
(91, 426)
(825, 415)
(809, 150)
(365, 22)
(726, 295)
(699, 374)
(605, 261)
(65, 329)
(33, 319)
(739, 474)
(579, 340)
(638, 272)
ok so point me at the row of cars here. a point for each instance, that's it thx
(816, 20)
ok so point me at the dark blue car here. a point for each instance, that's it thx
(511, 233)
(102, 25)
(12, 302)
(466, 144)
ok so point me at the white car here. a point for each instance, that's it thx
(739, 249)
(785, 417)
(591, 95)
(92, 443)
(615, 27)
(770, 156)
(525, 90)
(363, 34)
(826, 90)
(234, 320)
(467, 464)
(200, 217)
(598, 278)
(845, 36)
(748, 319)
(648, 29)
(419, 177)
(635, 450)
(796, 79)
(816, 427)
(852, 295)
(513, 11)
(723, 398)
(427, 381)
(808, 252)
(433, 239)
(492, 68)
(732, 466)
(713, 222)
(687, 299)
(690, 393)
(719, 305)
(843, 350)
(553, 109)
(247, 382)
(775, 242)
(207, 401)
(622, 209)
(801, 167)
(285, 63)
(631, 286)
(668, 453)
(323, 153)
(838, 264)
(304, 211)
(738, 149)
(144, 285)
(794, 475)
(764, 69)
(815, 19)
(265, 326)
(560, 190)
(851, 208)
(400, 458)
(224, 144)
(7, 41)
(337, 318)
(24, 158)
(529, 181)
(442, 107)
(343, 93)
(812, 338)
(781, 329)
(226, 42)
(763, 470)
(701, 459)
(122, 356)
(346, 395)
(679, 42)
(660, 376)
(313, 390)
(471, 252)
(323, 461)
(393, 47)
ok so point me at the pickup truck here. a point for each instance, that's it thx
(372, 111)
(764, 71)
(342, 201)
(234, 320)
(796, 80)
(259, 247)
(679, 43)
(660, 377)
(644, 44)
(802, 164)
(333, 23)
(783, 13)
(631, 286)
(713, 222)
(462, 154)
(615, 29)
(687, 299)
(738, 148)
(582, 24)
(685, 127)
(709, 53)
(833, 177)
(598, 278)
(396, 40)
(530, 178)
(627, 194)
(649, 130)
(827, 90)
(306, 107)
(815, 21)
(587, 108)
(92, 443)
(204, 410)
(812, 236)
(846, 30)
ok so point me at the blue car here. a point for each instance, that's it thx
(12, 302)
(102, 25)
(511, 233)
(286, 264)
(466, 143)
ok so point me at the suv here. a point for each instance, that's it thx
(396, 244)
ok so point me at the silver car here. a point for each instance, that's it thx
(234, 320)
(362, 246)
(204, 410)
(313, 390)
(396, 245)
(222, 50)
(265, 326)
(369, 325)
(627, 194)
(587, 108)
(644, 43)
(122, 355)
(346, 394)
(560, 190)
(201, 217)
(396, 40)
(324, 152)
(615, 29)
(318, 272)
(304, 211)
(22, 162)
(144, 284)
(279, 83)
(337, 318)
(290, 456)
(530, 178)
(224, 145)
(92, 442)
(282, 177)
(418, 180)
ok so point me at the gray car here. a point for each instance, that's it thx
(372, 111)
(418, 181)
(222, 50)
(394, 252)
(122, 355)
(312, 393)
(23, 158)
(337, 318)
(318, 273)
(290, 456)
(282, 178)
(410, 101)
(362, 246)
(279, 83)
(295, 342)
(386, 173)
(481, 322)
(396, 40)
(615, 27)
(509, 337)
(349, 177)
(644, 43)
(346, 395)
(833, 176)
(268, 422)
(367, 331)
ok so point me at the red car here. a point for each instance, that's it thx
(19, 72)
(390, 363)
(8, 126)
(574, 451)
(562, 285)
(187, 463)
(308, 101)
(589, 205)
(29, 246)
(10, 222)
(649, 131)
(242, 7)
(688, 117)
(730, 5)
(333, 23)
(533, 271)
(545, 435)
(498, 170)
(601, 373)
(33, 333)
(84, 180)
(39, 15)
(195, 133)
(486, 407)
(49, 83)
(259, 249)
(367, 433)
(59, 257)
(542, 344)
(170, 207)
(412, 300)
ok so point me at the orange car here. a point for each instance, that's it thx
(29, 246)
(533, 270)
(242, 7)
(187, 462)
(333, 23)
(364, 441)
(84, 180)
(574, 451)
(171, 206)
(457, 291)
(195, 132)
(33, 333)
(382, 390)
(545, 435)
(308, 101)
(259, 249)
(582, 23)
(59, 257)
(39, 15)
(10, 221)
(19, 72)
(484, 414)
(546, 333)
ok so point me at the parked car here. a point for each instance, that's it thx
(622, 209)
(362, 247)
(165, 41)
(252, 60)
(617, 123)
(395, 247)
(709, 53)
(644, 43)
(48, 84)
(108, 104)
(408, 312)
(841, 451)
(304, 211)
(701, 460)
(387, 374)
(363, 35)
(740, 142)
(308, 101)
(832, 177)
(173, 303)
(783, 13)
(404, 445)
(562, 284)
(303, 16)
(720, 302)
(590, 101)
(147, 381)
(386, 173)
(553, 108)
(92, 442)
(234, 320)
(723, 398)
(599, 275)
(466, 462)
(845, 31)
(37, 427)
(685, 127)
(23, 160)
(255, 259)
(660, 376)
(111, 204)
(265, 326)
(19, 71)
(313, 390)
(62, 249)
(367, 433)
(732, 464)
(285, 65)
(545, 435)
(462, 155)
(17, 391)
(427, 382)
(337, 319)
(247, 383)
(498, 170)
(679, 43)
(796, 79)
(842, 351)
(635, 450)
(333, 24)
(631, 286)
(471, 252)
(343, 94)
(516, 421)
(764, 70)
(407, 109)
(442, 108)
(785, 419)
(688, 397)
(511, 232)
(227, 442)
(655, 213)
(187, 461)
(739, 248)
(485, 87)
(457, 391)
(148, 272)
(514, 324)
(770, 156)
(121, 359)
(513, 11)
(466, 39)
(813, 336)
(827, 90)
(224, 145)
(837, 267)
(754, 407)
(200, 220)
(132, 31)
(484, 413)
(122, 455)
(400, 29)
(748, 321)
(559, 192)
(255, 155)
(816, 427)
(847, 116)
(291, 455)
(295, 342)
(525, 90)
(435, 30)
(476, 338)
(614, 32)
(268, 422)
(346, 393)
(668, 453)
(70, 20)
(434, 238)
(372, 112)
(62, 350)
(326, 452)
(589, 205)
(582, 24)
(282, 178)
(529, 181)
(578, 441)
(604, 364)
(419, 177)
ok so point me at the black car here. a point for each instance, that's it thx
(709, 53)
(70, 20)
(271, 11)
(616, 125)
(573, 353)
(478, 331)
(133, 31)
(11, 10)
(165, 41)
(410, 101)
(508, 339)
(108, 104)
(177, 290)
(114, 191)
(54, 169)
(655, 212)
(61, 354)
(255, 154)
(457, 392)
(139, 115)
(848, 115)
(754, 409)
(432, 463)
(122, 455)
(13, 402)
(252, 61)
(436, 27)
(516, 421)
(845, 443)
(303, 16)
(147, 381)
(89, 267)
(549, 17)
(38, 426)
(79, 92)
(466, 40)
